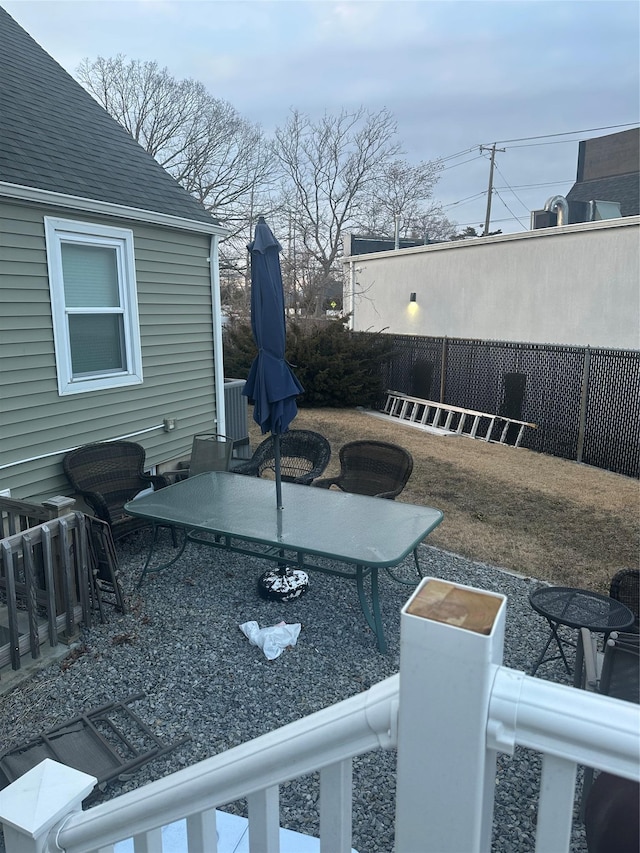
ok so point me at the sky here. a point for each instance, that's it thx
(532, 77)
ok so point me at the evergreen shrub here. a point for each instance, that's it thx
(336, 367)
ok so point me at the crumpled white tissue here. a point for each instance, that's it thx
(273, 640)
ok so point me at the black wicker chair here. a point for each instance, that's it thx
(107, 475)
(304, 455)
(374, 468)
(625, 587)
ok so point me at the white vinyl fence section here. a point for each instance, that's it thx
(452, 707)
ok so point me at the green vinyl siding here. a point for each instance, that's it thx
(174, 299)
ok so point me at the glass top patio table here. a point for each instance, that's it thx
(368, 533)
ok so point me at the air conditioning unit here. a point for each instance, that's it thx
(578, 211)
(604, 210)
(543, 219)
(236, 407)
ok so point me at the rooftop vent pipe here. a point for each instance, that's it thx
(560, 205)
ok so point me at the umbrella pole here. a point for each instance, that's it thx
(276, 450)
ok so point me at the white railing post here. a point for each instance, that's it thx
(264, 820)
(336, 807)
(451, 646)
(37, 801)
(555, 805)
(201, 831)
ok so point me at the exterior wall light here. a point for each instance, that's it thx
(412, 296)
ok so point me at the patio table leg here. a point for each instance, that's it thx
(416, 560)
(541, 658)
(174, 559)
(418, 571)
(371, 614)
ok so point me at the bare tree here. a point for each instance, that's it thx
(431, 225)
(400, 191)
(330, 167)
(216, 155)
(401, 199)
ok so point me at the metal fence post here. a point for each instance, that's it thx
(443, 369)
(584, 400)
(451, 647)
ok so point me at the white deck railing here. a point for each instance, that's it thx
(450, 710)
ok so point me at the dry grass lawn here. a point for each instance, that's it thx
(537, 515)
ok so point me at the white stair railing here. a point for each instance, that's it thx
(325, 741)
(459, 707)
(452, 708)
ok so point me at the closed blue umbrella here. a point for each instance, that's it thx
(271, 383)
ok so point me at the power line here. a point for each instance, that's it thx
(536, 186)
(568, 132)
(531, 144)
(542, 136)
(479, 224)
(511, 211)
(482, 193)
(454, 165)
(459, 154)
(510, 188)
(539, 144)
(462, 200)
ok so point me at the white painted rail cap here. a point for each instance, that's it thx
(42, 796)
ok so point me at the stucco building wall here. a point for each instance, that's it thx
(576, 284)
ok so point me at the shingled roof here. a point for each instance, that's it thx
(56, 137)
(624, 189)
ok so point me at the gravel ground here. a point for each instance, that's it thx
(181, 645)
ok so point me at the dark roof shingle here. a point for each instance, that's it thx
(54, 136)
(622, 188)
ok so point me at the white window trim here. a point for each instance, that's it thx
(58, 231)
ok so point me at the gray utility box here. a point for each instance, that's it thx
(236, 408)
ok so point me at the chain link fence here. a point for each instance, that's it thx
(585, 402)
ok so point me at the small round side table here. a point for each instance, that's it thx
(577, 608)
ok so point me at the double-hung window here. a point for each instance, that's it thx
(94, 305)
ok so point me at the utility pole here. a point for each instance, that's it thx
(493, 150)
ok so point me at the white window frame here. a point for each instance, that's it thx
(57, 232)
